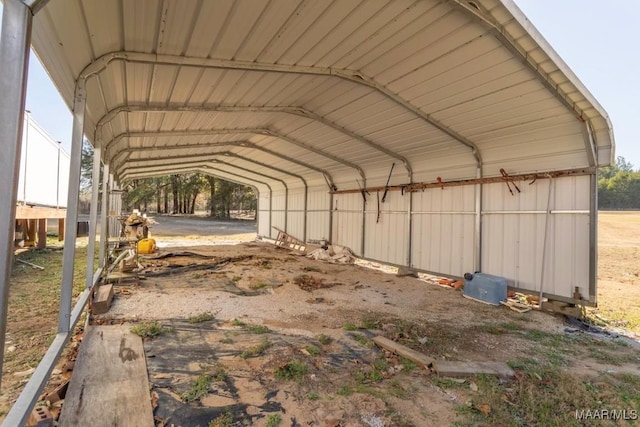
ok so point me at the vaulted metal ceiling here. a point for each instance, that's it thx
(320, 92)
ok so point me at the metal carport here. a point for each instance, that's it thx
(307, 101)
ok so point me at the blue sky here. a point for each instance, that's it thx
(597, 39)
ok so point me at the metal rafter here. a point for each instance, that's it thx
(353, 76)
(257, 131)
(206, 169)
(245, 144)
(292, 110)
(196, 158)
(501, 34)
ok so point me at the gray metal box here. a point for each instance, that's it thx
(486, 288)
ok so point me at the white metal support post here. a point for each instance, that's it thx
(93, 215)
(15, 40)
(70, 233)
(104, 219)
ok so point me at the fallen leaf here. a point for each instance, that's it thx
(485, 409)
(154, 400)
(473, 386)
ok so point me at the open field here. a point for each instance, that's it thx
(258, 347)
(619, 269)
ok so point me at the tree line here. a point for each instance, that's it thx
(619, 186)
(178, 194)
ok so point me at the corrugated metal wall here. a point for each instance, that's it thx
(347, 221)
(264, 217)
(278, 212)
(443, 224)
(514, 235)
(387, 236)
(443, 230)
(295, 213)
(318, 214)
(44, 168)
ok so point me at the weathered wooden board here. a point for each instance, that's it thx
(109, 386)
(102, 299)
(465, 369)
(404, 351)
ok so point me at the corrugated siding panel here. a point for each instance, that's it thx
(318, 200)
(295, 224)
(44, 168)
(277, 220)
(296, 200)
(318, 225)
(387, 239)
(514, 230)
(347, 221)
(264, 227)
(443, 230)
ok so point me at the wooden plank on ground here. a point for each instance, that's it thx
(465, 369)
(109, 386)
(404, 351)
(102, 299)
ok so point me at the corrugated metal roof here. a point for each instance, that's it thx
(343, 87)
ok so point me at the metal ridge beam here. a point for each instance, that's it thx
(293, 110)
(99, 64)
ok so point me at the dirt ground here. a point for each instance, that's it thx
(272, 310)
(251, 334)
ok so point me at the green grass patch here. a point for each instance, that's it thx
(543, 395)
(257, 329)
(259, 286)
(199, 318)
(149, 329)
(369, 324)
(257, 350)
(344, 390)
(500, 328)
(198, 389)
(273, 420)
(224, 420)
(444, 382)
(362, 340)
(350, 326)
(237, 322)
(219, 373)
(312, 395)
(324, 340)
(293, 370)
(312, 350)
(408, 365)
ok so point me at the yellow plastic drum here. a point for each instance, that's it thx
(146, 246)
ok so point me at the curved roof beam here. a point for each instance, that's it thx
(194, 164)
(479, 13)
(211, 156)
(206, 170)
(297, 111)
(246, 144)
(257, 131)
(357, 77)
